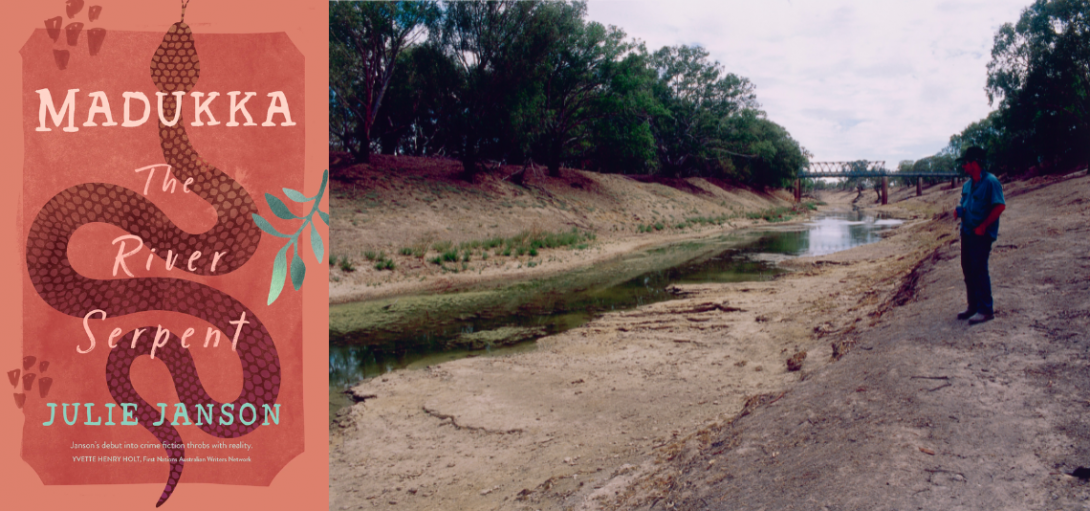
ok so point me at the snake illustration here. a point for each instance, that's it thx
(174, 67)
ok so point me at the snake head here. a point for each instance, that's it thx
(175, 65)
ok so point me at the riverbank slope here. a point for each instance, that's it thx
(641, 408)
(419, 214)
(925, 412)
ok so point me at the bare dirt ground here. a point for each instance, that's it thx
(405, 202)
(688, 404)
(925, 412)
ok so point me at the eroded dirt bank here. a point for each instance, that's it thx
(401, 209)
(641, 409)
(925, 412)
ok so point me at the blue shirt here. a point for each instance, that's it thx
(978, 199)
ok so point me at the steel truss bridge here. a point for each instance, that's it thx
(863, 168)
(871, 169)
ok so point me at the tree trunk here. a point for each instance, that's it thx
(554, 167)
(363, 136)
(552, 156)
(519, 178)
(389, 143)
(469, 167)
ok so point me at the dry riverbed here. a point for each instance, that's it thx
(595, 416)
(925, 412)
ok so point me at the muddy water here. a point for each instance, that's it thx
(374, 337)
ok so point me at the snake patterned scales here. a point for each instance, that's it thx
(174, 67)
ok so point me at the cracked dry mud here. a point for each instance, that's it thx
(688, 404)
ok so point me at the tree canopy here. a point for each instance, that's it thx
(1040, 73)
(365, 42)
(1039, 80)
(521, 82)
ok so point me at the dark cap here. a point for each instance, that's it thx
(973, 153)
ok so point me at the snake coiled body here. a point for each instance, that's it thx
(174, 67)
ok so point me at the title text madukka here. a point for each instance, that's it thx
(100, 109)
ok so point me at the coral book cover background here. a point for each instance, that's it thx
(165, 298)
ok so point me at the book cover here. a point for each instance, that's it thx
(169, 205)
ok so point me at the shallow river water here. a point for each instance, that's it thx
(371, 338)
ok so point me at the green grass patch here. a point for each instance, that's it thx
(347, 265)
(526, 242)
(777, 214)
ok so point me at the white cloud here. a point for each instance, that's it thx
(877, 80)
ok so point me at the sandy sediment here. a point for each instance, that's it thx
(406, 202)
(926, 412)
(584, 421)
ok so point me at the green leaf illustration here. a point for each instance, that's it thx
(264, 225)
(316, 243)
(280, 272)
(280, 264)
(279, 208)
(298, 270)
(325, 178)
(296, 196)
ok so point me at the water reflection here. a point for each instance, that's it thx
(830, 233)
(553, 306)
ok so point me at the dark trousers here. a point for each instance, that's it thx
(974, 265)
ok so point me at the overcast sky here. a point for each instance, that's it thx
(849, 79)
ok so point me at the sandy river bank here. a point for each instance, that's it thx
(925, 412)
(582, 421)
(398, 205)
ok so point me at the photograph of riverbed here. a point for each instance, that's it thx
(432, 328)
(637, 255)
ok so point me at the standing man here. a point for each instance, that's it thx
(981, 204)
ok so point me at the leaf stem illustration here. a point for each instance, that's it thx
(280, 263)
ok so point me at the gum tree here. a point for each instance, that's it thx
(365, 41)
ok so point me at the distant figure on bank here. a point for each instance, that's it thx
(981, 204)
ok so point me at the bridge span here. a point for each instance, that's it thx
(864, 168)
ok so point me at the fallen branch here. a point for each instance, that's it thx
(357, 398)
(707, 307)
(453, 422)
